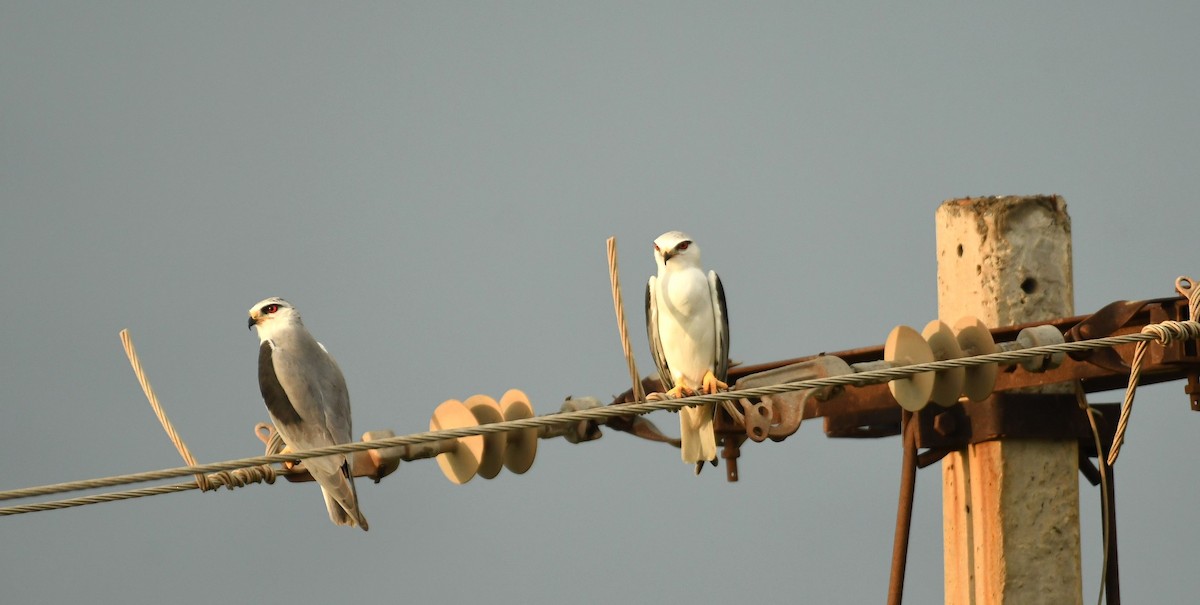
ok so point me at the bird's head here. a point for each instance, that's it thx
(272, 313)
(676, 248)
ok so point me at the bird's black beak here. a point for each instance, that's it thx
(668, 255)
(250, 323)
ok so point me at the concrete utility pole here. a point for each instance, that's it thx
(1010, 506)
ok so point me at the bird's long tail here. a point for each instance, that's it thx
(698, 441)
(337, 485)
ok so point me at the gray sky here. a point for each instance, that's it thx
(432, 184)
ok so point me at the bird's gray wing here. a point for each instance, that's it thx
(337, 398)
(721, 317)
(656, 348)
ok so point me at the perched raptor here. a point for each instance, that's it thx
(307, 400)
(688, 329)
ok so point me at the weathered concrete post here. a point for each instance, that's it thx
(1010, 507)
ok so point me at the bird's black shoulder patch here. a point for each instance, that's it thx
(272, 392)
(722, 369)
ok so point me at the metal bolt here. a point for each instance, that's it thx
(945, 424)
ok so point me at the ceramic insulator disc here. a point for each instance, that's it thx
(976, 339)
(947, 384)
(905, 346)
(486, 410)
(523, 443)
(462, 463)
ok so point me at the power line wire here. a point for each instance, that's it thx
(1184, 330)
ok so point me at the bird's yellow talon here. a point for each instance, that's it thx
(679, 391)
(711, 385)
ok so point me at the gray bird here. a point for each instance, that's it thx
(688, 328)
(307, 400)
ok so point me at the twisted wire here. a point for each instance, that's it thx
(229, 479)
(1165, 332)
(152, 397)
(615, 281)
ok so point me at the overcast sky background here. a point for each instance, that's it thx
(431, 184)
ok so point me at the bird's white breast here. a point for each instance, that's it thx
(686, 324)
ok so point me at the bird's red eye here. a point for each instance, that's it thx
(683, 246)
(656, 248)
(270, 309)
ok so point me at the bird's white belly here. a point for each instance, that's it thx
(687, 327)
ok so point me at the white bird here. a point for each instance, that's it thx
(307, 400)
(688, 328)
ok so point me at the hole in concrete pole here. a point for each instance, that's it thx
(1029, 285)
(960, 250)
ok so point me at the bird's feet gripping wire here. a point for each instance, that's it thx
(711, 386)
(674, 393)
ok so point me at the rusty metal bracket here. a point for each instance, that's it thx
(871, 411)
(776, 417)
(1184, 354)
(1014, 415)
(1105, 322)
